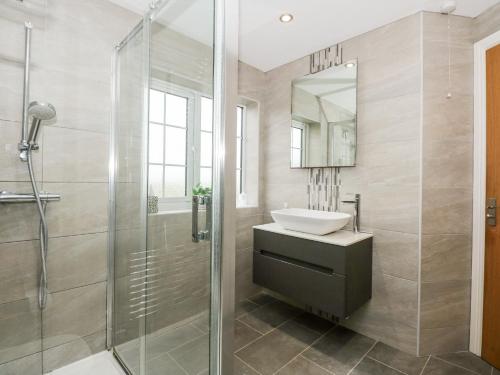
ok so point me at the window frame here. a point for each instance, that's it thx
(243, 145)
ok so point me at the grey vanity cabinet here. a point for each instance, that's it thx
(331, 278)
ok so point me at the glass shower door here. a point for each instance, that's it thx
(161, 193)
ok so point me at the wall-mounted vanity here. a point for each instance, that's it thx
(331, 273)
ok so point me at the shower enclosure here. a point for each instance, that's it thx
(164, 206)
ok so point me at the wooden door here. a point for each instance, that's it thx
(491, 317)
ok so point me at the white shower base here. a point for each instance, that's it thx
(102, 363)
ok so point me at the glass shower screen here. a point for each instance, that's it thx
(161, 191)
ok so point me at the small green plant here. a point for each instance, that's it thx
(202, 190)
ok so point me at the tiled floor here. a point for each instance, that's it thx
(272, 337)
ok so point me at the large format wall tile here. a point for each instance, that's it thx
(444, 340)
(29, 365)
(19, 270)
(83, 208)
(11, 167)
(74, 156)
(74, 313)
(73, 351)
(486, 23)
(77, 261)
(20, 327)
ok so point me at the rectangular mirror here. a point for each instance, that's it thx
(323, 130)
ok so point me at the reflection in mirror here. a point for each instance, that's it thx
(323, 130)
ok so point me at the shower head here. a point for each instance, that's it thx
(39, 112)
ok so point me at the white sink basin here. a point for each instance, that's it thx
(310, 221)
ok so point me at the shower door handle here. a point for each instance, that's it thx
(198, 235)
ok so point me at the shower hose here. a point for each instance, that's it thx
(42, 289)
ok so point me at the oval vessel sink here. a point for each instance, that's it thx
(310, 221)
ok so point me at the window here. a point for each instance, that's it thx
(297, 144)
(180, 144)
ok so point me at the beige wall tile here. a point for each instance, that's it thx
(487, 23)
(83, 208)
(77, 261)
(444, 340)
(74, 313)
(446, 257)
(445, 304)
(74, 156)
(20, 327)
(19, 270)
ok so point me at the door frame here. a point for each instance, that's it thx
(479, 191)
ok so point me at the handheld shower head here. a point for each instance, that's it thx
(39, 112)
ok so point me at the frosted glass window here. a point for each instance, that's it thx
(206, 177)
(296, 158)
(156, 179)
(238, 182)
(175, 145)
(175, 181)
(296, 138)
(175, 110)
(156, 106)
(206, 114)
(156, 143)
(238, 153)
(206, 149)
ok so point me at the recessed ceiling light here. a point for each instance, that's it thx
(350, 65)
(286, 17)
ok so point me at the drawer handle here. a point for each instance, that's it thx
(297, 262)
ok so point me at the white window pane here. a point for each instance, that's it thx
(206, 177)
(156, 180)
(175, 145)
(175, 182)
(175, 110)
(206, 113)
(238, 153)
(206, 149)
(296, 137)
(239, 120)
(238, 181)
(155, 143)
(156, 106)
(296, 158)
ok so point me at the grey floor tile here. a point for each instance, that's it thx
(397, 359)
(468, 361)
(438, 367)
(240, 368)
(244, 307)
(29, 365)
(243, 335)
(496, 371)
(164, 365)
(302, 366)
(269, 316)
(274, 350)
(339, 350)
(158, 343)
(314, 322)
(202, 323)
(262, 299)
(370, 367)
(193, 356)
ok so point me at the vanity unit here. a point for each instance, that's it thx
(330, 273)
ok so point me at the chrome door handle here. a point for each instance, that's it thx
(198, 235)
(491, 212)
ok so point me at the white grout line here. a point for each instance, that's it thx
(425, 365)
(314, 363)
(363, 357)
(197, 328)
(306, 348)
(454, 364)
(177, 363)
(254, 369)
(253, 329)
(386, 365)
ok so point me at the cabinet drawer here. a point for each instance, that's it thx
(312, 285)
(312, 252)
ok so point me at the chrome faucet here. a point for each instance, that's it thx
(355, 219)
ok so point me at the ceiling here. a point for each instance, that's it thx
(266, 43)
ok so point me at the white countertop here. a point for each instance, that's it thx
(339, 238)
